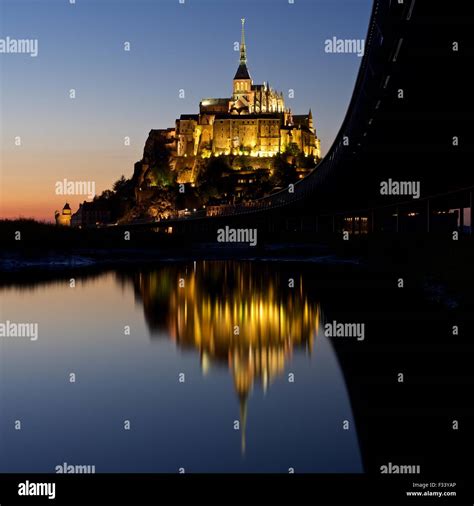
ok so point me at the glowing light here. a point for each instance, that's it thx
(271, 327)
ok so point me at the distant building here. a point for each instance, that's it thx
(64, 217)
(91, 214)
(252, 122)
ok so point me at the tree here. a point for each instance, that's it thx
(162, 178)
(305, 162)
(292, 149)
(120, 184)
(284, 173)
(210, 179)
(212, 170)
(160, 173)
(106, 195)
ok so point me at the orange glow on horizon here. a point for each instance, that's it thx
(28, 178)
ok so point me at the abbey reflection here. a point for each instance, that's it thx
(240, 315)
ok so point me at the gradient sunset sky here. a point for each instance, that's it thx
(173, 46)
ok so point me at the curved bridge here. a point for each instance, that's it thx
(407, 122)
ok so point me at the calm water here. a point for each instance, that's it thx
(182, 320)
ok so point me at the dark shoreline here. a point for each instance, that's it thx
(442, 266)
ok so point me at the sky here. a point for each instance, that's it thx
(173, 46)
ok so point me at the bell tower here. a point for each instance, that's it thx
(242, 89)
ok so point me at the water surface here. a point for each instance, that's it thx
(219, 366)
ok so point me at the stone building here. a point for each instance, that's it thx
(254, 121)
(91, 214)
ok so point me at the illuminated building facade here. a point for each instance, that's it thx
(253, 122)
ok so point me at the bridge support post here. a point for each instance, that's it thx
(398, 219)
(461, 219)
(428, 216)
(471, 212)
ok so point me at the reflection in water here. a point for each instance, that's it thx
(247, 326)
(234, 313)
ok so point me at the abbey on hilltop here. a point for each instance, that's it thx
(253, 122)
(236, 150)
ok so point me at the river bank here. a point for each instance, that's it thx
(444, 268)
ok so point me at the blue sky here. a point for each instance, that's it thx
(174, 46)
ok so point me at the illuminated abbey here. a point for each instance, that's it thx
(253, 122)
(235, 150)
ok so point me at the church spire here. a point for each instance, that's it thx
(243, 49)
(242, 72)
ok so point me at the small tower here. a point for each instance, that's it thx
(310, 121)
(63, 218)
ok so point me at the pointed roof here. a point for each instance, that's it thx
(242, 71)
